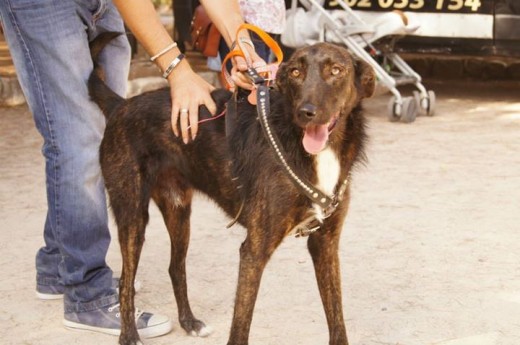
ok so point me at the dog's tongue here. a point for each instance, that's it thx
(315, 138)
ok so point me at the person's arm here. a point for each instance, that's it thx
(225, 14)
(188, 89)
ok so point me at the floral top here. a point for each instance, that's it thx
(268, 15)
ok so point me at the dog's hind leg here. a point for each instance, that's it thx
(131, 247)
(255, 252)
(174, 200)
(131, 214)
(323, 247)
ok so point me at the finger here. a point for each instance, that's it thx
(240, 63)
(184, 124)
(193, 118)
(242, 81)
(259, 63)
(175, 119)
(210, 104)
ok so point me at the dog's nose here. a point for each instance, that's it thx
(307, 111)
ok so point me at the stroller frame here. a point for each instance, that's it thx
(404, 109)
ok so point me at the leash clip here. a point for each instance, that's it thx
(307, 227)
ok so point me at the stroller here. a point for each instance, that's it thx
(370, 37)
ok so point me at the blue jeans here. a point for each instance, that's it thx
(49, 42)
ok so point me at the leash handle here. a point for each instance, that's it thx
(241, 52)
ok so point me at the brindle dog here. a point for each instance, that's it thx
(316, 113)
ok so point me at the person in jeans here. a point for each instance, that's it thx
(49, 43)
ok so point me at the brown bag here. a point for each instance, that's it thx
(204, 34)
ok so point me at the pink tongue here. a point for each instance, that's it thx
(315, 138)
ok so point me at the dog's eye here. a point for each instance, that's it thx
(295, 73)
(335, 70)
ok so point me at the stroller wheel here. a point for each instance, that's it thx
(431, 101)
(425, 105)
(394, 110)
(409, 110)
(405, 112)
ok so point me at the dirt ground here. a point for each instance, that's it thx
(430, 251)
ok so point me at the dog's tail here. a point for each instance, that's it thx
(98, 90)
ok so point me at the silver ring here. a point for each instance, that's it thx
(183, 111)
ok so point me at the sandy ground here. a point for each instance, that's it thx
(430, 252)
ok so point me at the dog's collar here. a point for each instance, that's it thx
(313, 222)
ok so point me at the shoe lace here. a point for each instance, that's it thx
(137, 313)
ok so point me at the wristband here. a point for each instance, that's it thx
(164, 51)
(247, 41)
(242, 40)
(172, 65)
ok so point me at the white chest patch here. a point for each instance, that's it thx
(327, 170)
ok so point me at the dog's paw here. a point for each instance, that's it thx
(196, 328)
(203, 332)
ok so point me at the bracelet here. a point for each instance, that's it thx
(247, 41)
(164, 51)
(242, 40)
(172, 65)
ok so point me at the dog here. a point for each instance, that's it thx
(315, 111)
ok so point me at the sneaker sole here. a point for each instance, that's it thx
(48, 296)
(148, 332)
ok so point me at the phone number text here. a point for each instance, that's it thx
(464, 6)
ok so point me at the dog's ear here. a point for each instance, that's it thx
(365, 79)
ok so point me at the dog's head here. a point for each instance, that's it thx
(323, 83)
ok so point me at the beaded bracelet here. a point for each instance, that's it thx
(172, 65)
(164, 51)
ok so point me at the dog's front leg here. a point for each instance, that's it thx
(254, 255)
(323, 246)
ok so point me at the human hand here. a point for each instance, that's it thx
(240, 64)
(188, 92)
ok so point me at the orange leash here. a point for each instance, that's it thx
(268, 71)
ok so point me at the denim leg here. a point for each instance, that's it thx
(49, 43)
